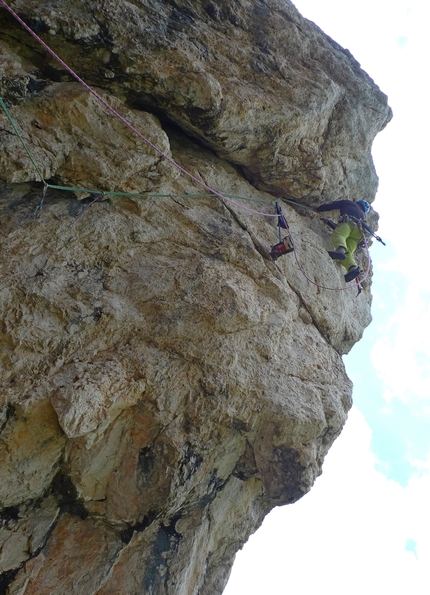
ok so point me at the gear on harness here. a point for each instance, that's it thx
(372, 233)
(285, 245)
(353, 221)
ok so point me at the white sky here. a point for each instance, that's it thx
(365, 526)
(349, 535)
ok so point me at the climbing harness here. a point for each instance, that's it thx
(352, 221)
(333, 225)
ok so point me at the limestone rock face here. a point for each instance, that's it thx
(165, 383)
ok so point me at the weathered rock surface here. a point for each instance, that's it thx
(164, 382)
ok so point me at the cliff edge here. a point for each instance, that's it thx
(165, 383)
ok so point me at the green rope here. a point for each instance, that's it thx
(297, 204)
(108, 192)
(88, 191)
(9, 117)
(148, 194)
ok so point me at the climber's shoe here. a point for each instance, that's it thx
(339, 254)
(352, 273)
(281, 248)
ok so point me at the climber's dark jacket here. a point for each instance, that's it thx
(346, 207)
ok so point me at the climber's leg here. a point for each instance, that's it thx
(351, 245)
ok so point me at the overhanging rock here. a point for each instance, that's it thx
(165, 382)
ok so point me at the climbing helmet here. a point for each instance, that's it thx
(365, 205)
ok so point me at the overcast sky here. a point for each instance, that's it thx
(365, 526)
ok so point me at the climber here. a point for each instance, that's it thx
(348, 233)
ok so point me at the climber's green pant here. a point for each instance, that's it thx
(349, 237)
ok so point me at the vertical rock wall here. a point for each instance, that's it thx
(165, 383)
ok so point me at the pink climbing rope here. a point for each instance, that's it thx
(166, 157)
(126, 123)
